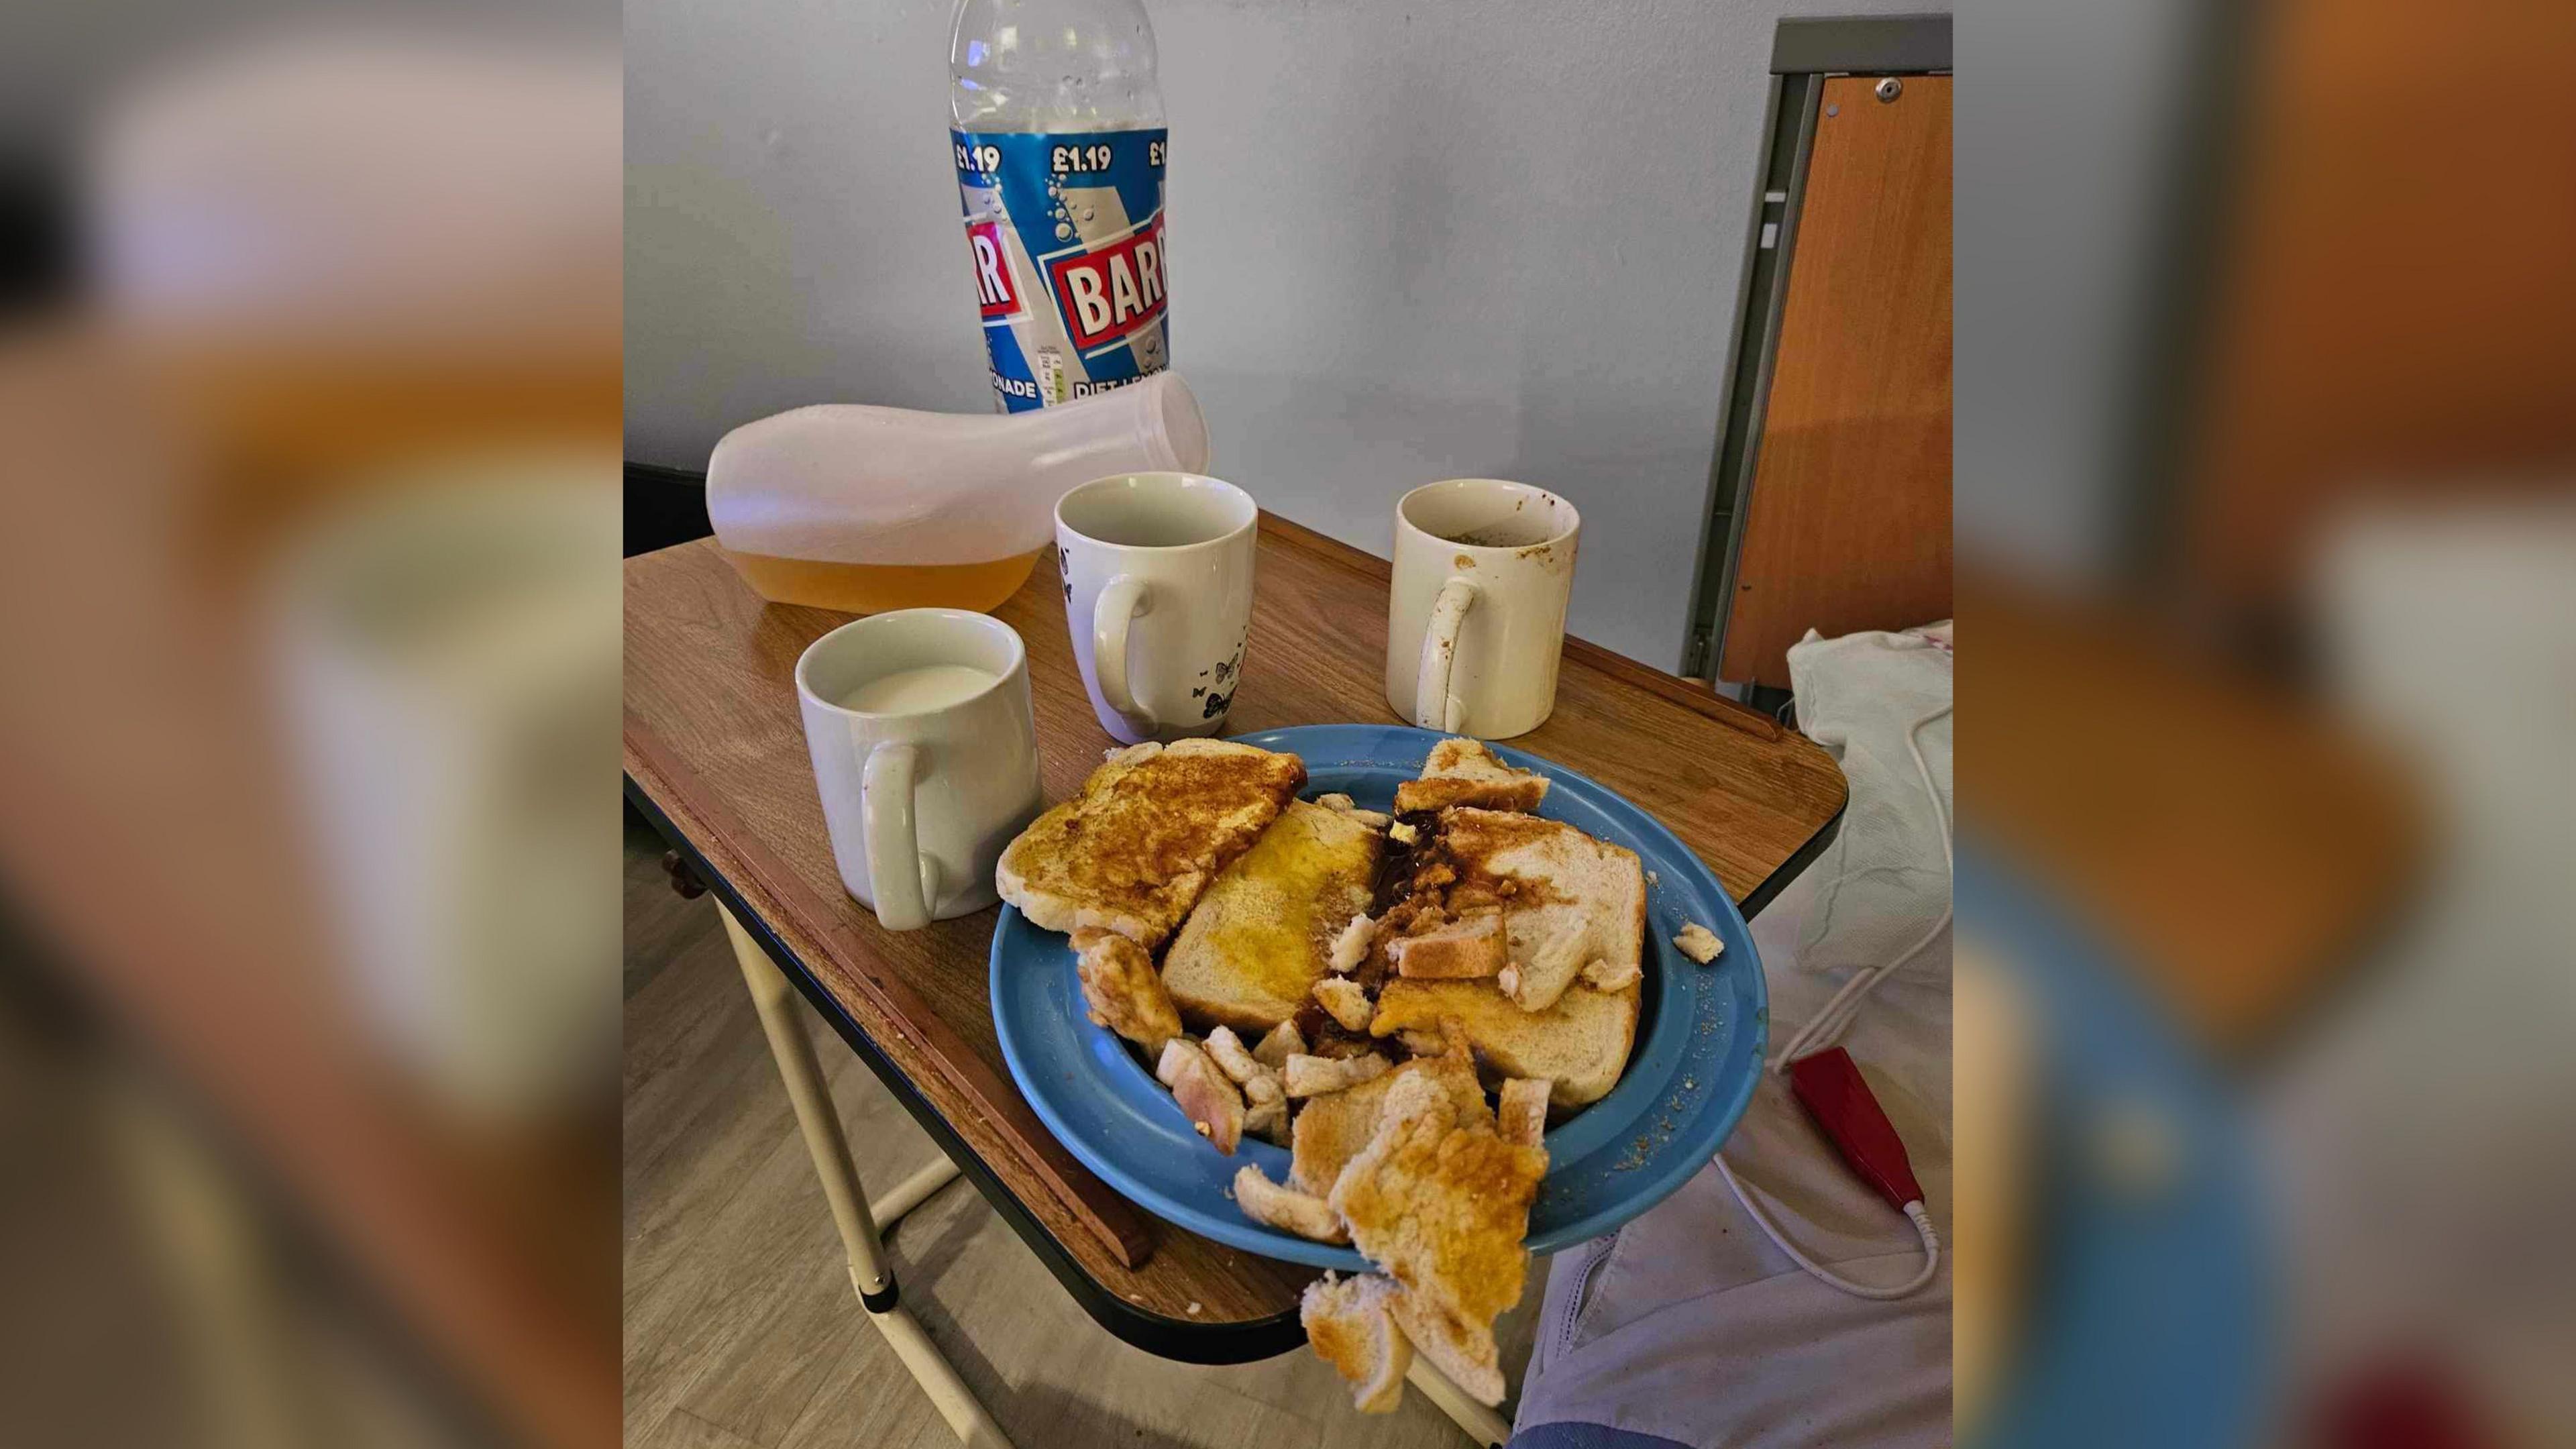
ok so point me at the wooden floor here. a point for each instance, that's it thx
(741, 1328)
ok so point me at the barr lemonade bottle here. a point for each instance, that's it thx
(1059, 149)
(1058, 143)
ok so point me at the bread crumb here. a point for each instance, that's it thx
(1510, 980)
(1351, 947)
(1314, 1076)
(1337, 801)
(1202, 1128)
(1698, 942)
(1194, 1308)
(1402, 834)
(1653, 879)
(1603, 976)
(1348, 1004)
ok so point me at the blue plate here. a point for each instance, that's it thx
(1700, 1036)
(2151, 1318)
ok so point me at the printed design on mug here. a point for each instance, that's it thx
(1228, 672)
(1064, 572)
(1071, 272)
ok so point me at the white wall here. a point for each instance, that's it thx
(1411, 239)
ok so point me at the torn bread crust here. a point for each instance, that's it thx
(1211, 1103)
(1266, 1112)
(1462, 771)
(1612, 976)
(1469, 947)
(1698, 942)
(1228, 1051)
(1347, 1003)
(1286, 1209)
(1315, 1076)
(1351, 1325)
(1123, 990)
(1282, 1042)
(1351, 947)
(1521, 1115)
(1265, 1098)
(1270, 1124)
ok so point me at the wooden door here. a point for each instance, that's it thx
(2391, 301)
(1847, 525)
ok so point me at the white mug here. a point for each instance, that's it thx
(1475, 622)
(1157, 571)
(926, 755)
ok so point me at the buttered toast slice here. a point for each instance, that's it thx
(1149, 830)
(1261, 936)
(1579, 1044)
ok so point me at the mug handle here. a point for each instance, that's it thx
(905, 880)
(1125, 600)
(1434, 708)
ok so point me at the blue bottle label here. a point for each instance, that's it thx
(1066, 231)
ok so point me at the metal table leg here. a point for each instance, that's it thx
(857, 1217)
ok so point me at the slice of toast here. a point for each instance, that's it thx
(1331, 1130)
(1465, 772)
(1349, 1322)
(1149, 830)
(1442, 1206)
(1568, 899)
(1580, 1043)
(1263, 934)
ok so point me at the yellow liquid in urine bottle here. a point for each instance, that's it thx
(875, 588)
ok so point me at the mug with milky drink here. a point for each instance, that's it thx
(1476, 617)
(1157, 571)
(925, 752)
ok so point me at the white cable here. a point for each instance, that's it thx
(1825, 1026)
(1913, 1210)
(1821, 1030)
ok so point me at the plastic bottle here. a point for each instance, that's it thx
(868, 508)
(1059, 147)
